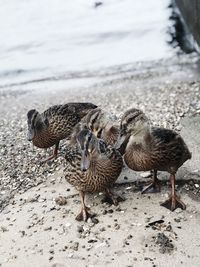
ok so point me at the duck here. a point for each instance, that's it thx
(101, 124)
(92, 166)
(54, 124)
(153, 149)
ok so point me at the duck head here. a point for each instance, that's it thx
(89, 146)
(36, 123)
(133, 123)
(96, 120)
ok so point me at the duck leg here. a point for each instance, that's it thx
(174, 201)
(84, 214)
(111, 198)
(154, 186)
(54, 155)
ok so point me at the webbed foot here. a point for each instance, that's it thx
(84, 215)
(173, 203)
(153, 187)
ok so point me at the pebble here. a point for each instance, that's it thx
(92, 241)
(80, 228)
(48, 228)
(61, 201)
(3, 229)
(95, 220)
(102, 229)
(70, 255)
(116, 226)
(51, 251)
(177, 220)
(74, 246)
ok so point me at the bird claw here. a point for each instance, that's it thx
(173, 203)
(84, 215)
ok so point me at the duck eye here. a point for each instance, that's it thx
(129, 120)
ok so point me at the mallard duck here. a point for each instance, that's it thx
(54, 124)
(100, 124)
(150, 148)
(91, 166)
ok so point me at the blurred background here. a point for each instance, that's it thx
(58, 40)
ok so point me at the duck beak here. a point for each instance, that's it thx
(120, 141)
(30, 134)
(85, 162)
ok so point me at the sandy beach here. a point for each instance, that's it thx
(35, 231)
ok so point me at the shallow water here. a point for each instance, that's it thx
(44, 41)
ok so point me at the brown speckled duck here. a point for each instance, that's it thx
(100, 124)
(150, 148)
(92, 166)
(54, 124)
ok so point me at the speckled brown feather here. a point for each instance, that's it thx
(110, 134)
(97, 122)
(164, 150)
(61, 120)
(103, 171)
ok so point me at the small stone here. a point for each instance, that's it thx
(128, 188)
(95, 220)
(92, 241)
(4, 229)
(48, 228)
(80, 229)
(110, 211)
(126, 243)
(23, 233)
(177, 220)
(169, 228)
(116, 226)
(74, 246)
(51, 251)
(61, 201)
